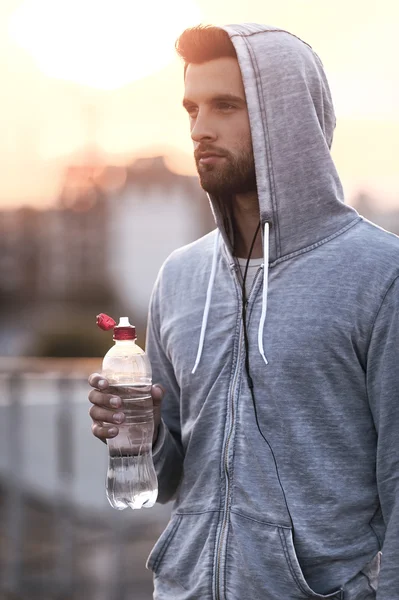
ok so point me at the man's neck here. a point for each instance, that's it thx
(245, 208)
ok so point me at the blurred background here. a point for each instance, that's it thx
(97, 187)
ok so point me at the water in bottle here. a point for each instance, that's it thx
(131, 479)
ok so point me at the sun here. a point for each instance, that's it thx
(104, 44)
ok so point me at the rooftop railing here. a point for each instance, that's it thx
(59, 538)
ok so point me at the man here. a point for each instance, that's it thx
(279, 433)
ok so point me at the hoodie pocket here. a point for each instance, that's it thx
(261, 562)
(296, 570)
(158, 551)
(182, 558)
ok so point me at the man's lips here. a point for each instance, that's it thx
(209, 158)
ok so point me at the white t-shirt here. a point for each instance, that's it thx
(253, 267)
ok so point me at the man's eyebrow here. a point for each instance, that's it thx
(217, 98)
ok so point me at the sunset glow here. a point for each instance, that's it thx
(102, 75)
(101, 43)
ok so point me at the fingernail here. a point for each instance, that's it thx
(112, 431)
(118, 417)
(102, 383)
(115, 401)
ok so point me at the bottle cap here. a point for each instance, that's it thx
(124, 331)
(105, 322)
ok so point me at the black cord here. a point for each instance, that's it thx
(244, 309)
(250, 381)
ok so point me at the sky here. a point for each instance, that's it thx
(79, 74)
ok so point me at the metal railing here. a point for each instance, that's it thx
(58, 540)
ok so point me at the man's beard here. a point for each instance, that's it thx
(234, 174)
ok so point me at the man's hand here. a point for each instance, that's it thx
(105, 411)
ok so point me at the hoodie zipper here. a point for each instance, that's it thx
(222, 534)
(226, 471)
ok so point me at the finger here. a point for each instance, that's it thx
(98, 381)
(102, 431)
(105, 415)
(157, 393)
(103, 399)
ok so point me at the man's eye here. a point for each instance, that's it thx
(225, 106)
(191, 110)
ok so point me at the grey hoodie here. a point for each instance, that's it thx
(301, 506)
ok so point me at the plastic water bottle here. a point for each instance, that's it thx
(131, 478)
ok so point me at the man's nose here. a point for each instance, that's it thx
(202, 129)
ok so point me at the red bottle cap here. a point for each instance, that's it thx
(122, 331)
(105, 322)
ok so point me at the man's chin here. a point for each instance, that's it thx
(209, 184)
(213, 190)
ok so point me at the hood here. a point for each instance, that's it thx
(292, 123)
(292, 120)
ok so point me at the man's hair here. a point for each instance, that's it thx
(202, 43)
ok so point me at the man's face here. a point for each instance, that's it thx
(215, 101)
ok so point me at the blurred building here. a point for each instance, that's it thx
(99, 248)
(49, 255)
(18, 254)
(73, 249)
(155, 212)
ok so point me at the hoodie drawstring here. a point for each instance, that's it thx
(209, 297)
(264, 291)
(208, 302)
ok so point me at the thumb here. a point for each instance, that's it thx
(157, 393)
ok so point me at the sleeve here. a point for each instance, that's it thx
(167, 451)
(383, 391)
